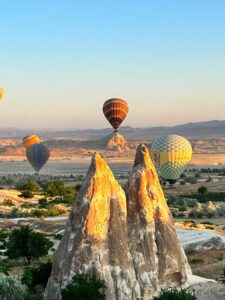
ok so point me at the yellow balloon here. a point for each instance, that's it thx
(1, 93)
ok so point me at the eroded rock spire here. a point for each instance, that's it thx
(125, 238)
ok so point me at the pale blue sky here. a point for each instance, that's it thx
(60, 60)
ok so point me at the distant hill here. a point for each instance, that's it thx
(211, 129)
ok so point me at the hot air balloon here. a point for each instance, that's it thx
(171, 154)
(30, 140)
(1, 93)
(37, 155)
(115, 111)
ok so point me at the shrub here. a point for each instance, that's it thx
(190, 251)
(202, 190)
(11, 288)
(209, 227)
(37, 276)
(182, 208)
(175, 294)
(206, 223)
(189, 222)
(43, 203)
(197, 261)
(5, 266)
(58, 236)
(78, 187)
(84, 287)
(26, 194)
(31, 186)
(8, 202)
(57, 210)
(40, 213)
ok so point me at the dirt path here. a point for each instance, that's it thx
(209, 291)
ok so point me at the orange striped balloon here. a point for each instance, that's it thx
(30, 140)
(115, 111)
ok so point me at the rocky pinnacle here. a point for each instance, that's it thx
(127, 238)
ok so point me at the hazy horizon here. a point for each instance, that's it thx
(59, 62)
(104, 127)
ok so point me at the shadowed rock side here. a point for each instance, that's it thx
(129, 243)
(95, 239)
(159, 260)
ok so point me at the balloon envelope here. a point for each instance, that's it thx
(1, 93)
(30, 140)
(171, 154)
(115, 111)
(37, 155)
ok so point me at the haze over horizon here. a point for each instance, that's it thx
(59, 62)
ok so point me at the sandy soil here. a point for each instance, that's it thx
(13, 196)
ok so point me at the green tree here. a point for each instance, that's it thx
(11, 288)
(174, 294)
(84, 288)
(25, 242)
(202, 190)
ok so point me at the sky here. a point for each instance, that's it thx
(61, 59)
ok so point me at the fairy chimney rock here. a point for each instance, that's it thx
(125, 238)
(117, 142)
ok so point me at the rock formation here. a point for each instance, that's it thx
(117, 142)
(125, 238)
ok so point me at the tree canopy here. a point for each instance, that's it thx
(25, 242)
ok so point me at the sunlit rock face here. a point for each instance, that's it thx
(95, 239)
(126, 239)
(117, 142)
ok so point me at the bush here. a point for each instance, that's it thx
(174, 294)
(11, 288)
(5, 266)
(182, 208)
(37, 276)
(57, 210)
(202, 190)
(58, 236)
(31, 186)
(209, 227)
(84, 287)
(197, 261)
(8, 202)
(26, 194)
(206, 223)
(43, 203)
(15, 213)
(189, 222)
(41, 213)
